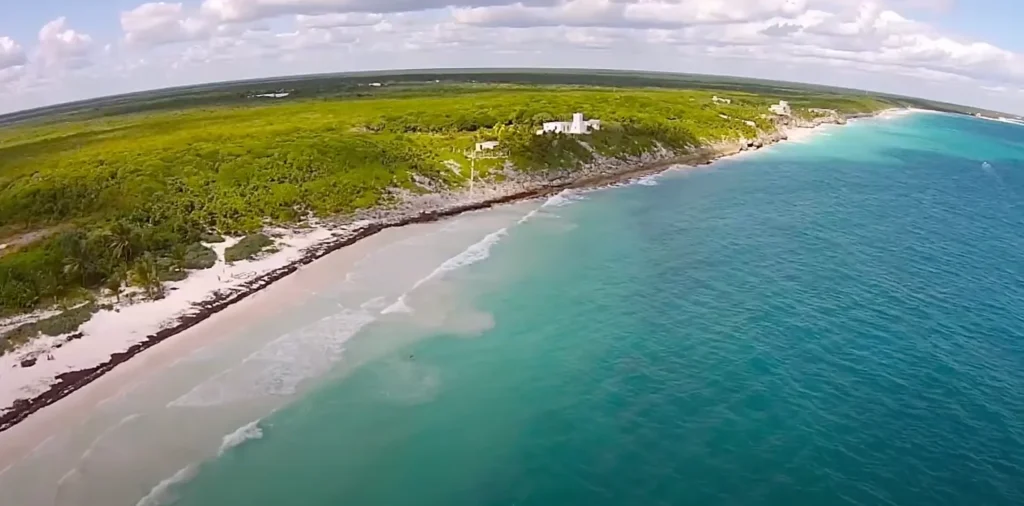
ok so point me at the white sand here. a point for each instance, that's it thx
(114, 331)
(806, 134)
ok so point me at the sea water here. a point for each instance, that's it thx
(838, 321)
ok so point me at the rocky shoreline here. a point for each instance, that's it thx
(419, 209)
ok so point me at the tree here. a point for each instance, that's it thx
(74, 267)
(115, 283)
(179, 256)
(75, 256)
(146, 274)
(121, 240)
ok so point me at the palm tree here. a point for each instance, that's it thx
(121, 240)
(179, 256)
(75, 257)
(115, 283)
(146, 273)
(76, 266)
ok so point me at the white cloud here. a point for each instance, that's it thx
(339, 19)
(637, 14)
(842, 31)
(63, 46)
(11, 74)
(11, 53)
(249, 10)
(161, 23)
(309, 39)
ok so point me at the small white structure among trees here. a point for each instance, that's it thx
(487, 146)
(782, 109)
(718, 100)
(578, 126)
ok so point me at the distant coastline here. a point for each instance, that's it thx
(181, 314)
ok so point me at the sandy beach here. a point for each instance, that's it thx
(24, 437)
(180, 398)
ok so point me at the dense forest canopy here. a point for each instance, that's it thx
(115, 198)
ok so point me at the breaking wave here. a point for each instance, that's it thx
(651, 180)
(243, 434)
(103, 435)
(563, 198)
(161, 494)
(471, 255)
(281, 365)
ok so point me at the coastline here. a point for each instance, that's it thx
(334, 238)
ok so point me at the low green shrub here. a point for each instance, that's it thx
(200, 257)
(250, 246)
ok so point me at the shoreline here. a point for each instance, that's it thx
(607, 173)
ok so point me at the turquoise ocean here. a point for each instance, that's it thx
(838, 321)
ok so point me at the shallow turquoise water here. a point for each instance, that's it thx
(829, 323)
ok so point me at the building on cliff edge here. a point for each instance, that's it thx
(578, 126)
(782, 109)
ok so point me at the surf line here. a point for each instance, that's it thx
(476, 252)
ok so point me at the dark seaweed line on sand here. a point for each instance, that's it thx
(69, 382)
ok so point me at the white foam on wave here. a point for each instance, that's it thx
(161, 493)
(400, 306)
(529, 216)
(244, 433)
(103, 435)
(563, 198)
(649, 180)
(471, 255)
(281, 365)
(374, 303)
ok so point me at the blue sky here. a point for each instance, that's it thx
(965, 51)
(994, 21)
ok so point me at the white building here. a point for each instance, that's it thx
(718, 100)
(376, 85)
(578, 126)
(782, 108)
(487, 146)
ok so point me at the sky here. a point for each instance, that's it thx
(963, 51)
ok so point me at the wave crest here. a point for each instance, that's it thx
(471, 255)
(161, 493)
(244, 433)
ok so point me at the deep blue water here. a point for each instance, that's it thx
(838, 322)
